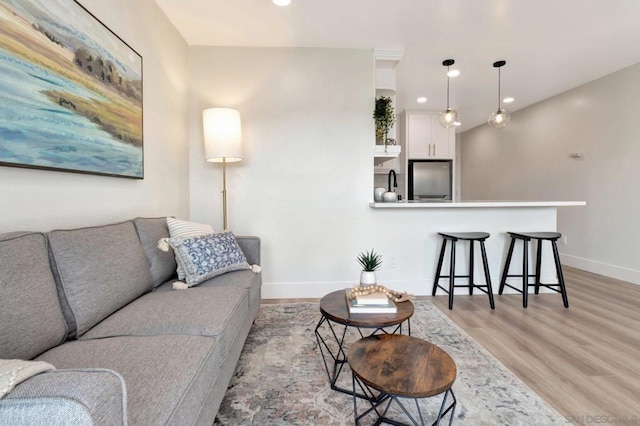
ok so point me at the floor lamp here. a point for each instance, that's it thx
(222, 143)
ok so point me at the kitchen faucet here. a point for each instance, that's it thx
(395, 182)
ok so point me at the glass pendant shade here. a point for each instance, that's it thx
(499, 119)
(448, 118)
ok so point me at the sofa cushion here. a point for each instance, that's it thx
(250, 247)
(161, 263)
(208, 256)
(99, 270)
(181, 229)
(214, 312)
(242, 279)
(167, 377)
(245, 279)
(30, 315)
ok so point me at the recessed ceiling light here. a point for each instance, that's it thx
(281, 2)
(457, 123)
(508, 100)
(421, 99)
(453, 73)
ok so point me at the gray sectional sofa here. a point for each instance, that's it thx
(97, 303)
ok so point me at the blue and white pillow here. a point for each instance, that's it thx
(182, 228)
(206, 256)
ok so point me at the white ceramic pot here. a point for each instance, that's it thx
(377, 194)
(389, 197)
(367, 277)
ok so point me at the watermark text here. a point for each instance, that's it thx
(603, 419)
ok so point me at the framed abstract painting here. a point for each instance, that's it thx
(70, 91)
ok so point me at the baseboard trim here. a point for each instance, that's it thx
(317, 289)
(601, 268)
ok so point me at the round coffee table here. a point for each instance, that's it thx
(336, 316)
(401, 366)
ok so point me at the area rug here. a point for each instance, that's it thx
(281, 379)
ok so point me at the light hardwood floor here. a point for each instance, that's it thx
(584, 361)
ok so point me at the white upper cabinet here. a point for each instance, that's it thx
(426, 138)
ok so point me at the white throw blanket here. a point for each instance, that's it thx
(15, 371)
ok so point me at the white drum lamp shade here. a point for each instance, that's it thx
(222, 135)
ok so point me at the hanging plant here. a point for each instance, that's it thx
(384, 117)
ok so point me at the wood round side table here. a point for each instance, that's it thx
(401, 366)
(336, 319)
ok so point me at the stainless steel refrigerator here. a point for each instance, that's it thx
(430, 180)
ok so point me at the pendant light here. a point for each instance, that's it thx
(449, 117)
(501, 117)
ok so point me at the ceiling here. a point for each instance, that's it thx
(550, 45)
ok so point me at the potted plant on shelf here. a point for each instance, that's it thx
(370, 261)
(384, 117)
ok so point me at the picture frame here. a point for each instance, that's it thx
(71, 94)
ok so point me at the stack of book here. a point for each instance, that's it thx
(374, 303)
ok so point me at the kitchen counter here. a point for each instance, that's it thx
(439, 204)
(408, 231)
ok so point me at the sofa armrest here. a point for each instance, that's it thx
(251, 248)
(78, 397)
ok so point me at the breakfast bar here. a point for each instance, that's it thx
(448, 204)
(417, 225)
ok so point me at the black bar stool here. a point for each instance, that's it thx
(464, 236)
(525, 237)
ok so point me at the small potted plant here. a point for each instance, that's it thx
(370, 261)
(384, 117)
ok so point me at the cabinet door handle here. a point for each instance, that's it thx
(429, 150)
(434, 149)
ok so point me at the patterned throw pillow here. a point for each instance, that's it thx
(181, 229)
(207, 256)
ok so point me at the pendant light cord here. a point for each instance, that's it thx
(499, 84)
(447, 87)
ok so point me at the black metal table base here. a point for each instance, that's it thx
(338, 356)
(382, 398)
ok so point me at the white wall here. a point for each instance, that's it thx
(307, 176)
(530, 159)
(43, 200)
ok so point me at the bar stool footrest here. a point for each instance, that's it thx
(519, 290)
(520, 276)
(552, 287)
(481, 287)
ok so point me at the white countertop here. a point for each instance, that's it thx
(473, 204)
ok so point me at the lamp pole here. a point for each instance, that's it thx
(224, 193)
